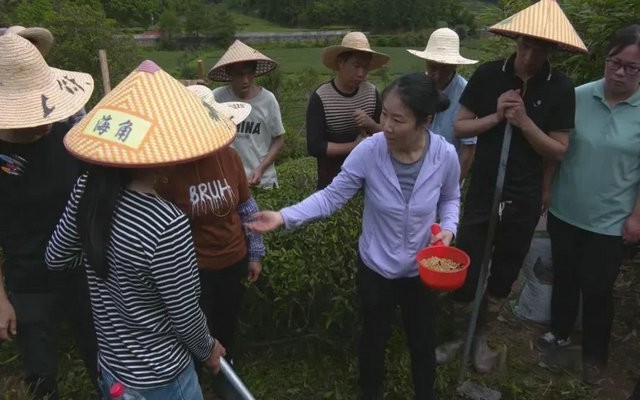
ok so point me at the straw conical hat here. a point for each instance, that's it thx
(32, 93)
(543, 20)
(40, 37)
(236, 111)
(353, 41)
(240, 52)
(443, 47)
(149, 119)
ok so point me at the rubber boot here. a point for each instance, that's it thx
(447, 352)
(484, 359)
(459, 314)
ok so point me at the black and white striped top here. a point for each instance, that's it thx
(330, 119)
(146, 314)
(337, 109)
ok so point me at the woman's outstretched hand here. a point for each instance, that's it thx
(265, 221)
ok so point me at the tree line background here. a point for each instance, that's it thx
(83, 26)
(207, 16)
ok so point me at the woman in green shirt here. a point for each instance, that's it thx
(595, 207)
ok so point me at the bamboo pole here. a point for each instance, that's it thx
(104, 68)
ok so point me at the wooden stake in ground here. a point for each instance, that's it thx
(104, 68)
(200, 70)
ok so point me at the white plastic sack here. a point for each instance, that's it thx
(534, 302)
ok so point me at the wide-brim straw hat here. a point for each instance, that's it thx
(32, 93)
(40, 37)
(443, 47)
(353, 41)
(150, 119)
(543, 20)
(236, 53)
(236, 111)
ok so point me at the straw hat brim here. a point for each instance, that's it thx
(442, 59)
(65, 95)
(218, 72)
(149, 120)
(555, 43)
(239, 52)
(234, 110)
(330, 56)
(544, 21)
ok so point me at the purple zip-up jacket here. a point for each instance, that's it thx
(393, 230)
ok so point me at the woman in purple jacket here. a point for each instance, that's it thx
(410, 179)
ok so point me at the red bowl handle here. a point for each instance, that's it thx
(435, 229)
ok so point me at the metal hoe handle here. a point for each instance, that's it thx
(235, 381)
(488, 249)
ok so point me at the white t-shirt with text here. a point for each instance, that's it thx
(257, 131)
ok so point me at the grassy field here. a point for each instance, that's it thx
(293, 60)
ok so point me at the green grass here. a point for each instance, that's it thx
(294, 60)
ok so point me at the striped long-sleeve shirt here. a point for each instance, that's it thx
(146, 313)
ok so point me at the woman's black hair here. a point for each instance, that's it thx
(95, 214)
(624, 37)
(418, 92)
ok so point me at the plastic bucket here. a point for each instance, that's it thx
(443, 280)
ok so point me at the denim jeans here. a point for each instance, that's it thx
(184, 387)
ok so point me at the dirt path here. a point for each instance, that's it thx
(622, 371)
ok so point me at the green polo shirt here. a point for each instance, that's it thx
(596, 186)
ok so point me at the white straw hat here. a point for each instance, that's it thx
(543, 20)
(236, 111)
(443, 47)
(236, 53)
(353, 41)
(32, 93)
(40, 37)
(150, 119)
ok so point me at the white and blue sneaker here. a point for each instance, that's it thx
(549, 342)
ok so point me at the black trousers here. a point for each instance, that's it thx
(512, 240)
(379, 298)
(588, 263)
(39, 316)
(221, 295)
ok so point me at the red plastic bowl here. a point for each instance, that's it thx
(441, 280)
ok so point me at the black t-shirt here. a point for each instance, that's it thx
(35, 183)
(550, 102)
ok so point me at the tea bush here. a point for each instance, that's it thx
(307, 284)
